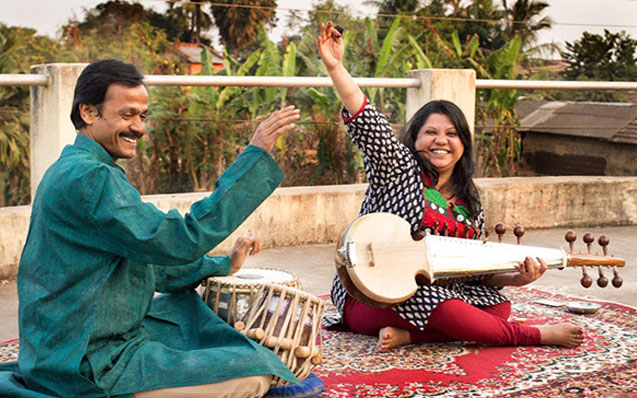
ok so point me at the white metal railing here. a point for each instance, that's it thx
(294, 81)
(272, 81)
(23, 80)
(555, 85)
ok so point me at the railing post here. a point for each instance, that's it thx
(51, 127)
(455, 85)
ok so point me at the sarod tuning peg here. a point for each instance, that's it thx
(570, 237)
(588, 238)
(518, 231)
(602, 281)
(617, 281)
(500, 229)
(586, 280)
(603, 242)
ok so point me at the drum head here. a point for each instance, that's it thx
(257, 276)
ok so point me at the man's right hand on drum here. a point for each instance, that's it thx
(243, 247)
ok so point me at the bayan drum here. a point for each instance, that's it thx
(288, 321)
(231, 297)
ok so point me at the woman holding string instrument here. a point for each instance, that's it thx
(426, 178)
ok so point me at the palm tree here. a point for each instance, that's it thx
(240, 26)
(388, 9)
(484, 12)
(178, 15)
(524, 20)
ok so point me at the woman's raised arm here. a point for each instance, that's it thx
(331, 49)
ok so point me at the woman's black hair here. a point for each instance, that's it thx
(95, 80)
(461, 179)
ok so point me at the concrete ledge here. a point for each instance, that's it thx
(314, 215)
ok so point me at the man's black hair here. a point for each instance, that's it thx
(95, 80)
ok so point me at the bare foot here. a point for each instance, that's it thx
(565, 334)
(390, 337)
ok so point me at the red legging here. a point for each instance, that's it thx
(453, 319)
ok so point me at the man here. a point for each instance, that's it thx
(95, 254)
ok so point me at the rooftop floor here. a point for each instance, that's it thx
(314, 265)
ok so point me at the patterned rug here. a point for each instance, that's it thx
(604, 366)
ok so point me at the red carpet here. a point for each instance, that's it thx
(604, 366)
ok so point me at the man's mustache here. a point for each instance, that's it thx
(132, 134)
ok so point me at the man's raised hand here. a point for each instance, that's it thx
(278, 123)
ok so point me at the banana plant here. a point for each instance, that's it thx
(500, 150)
(14, 130)
(391, 56)
(498, 107)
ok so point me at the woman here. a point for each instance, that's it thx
(426, 179)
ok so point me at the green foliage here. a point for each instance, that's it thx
(524, 21)
(19, 48)
(239, 27)
(496, 109)
(196, 132)
(138, 43)
(611, 57)
(110, 17)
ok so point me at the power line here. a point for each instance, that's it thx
(406, 16)
(312, 122)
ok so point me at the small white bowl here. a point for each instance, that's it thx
(583, 307)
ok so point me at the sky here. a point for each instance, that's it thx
(571, 17)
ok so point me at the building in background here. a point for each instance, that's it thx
(191, 54)
(578, 138)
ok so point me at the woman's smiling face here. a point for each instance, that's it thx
(439, 143)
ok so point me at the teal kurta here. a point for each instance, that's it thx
(93, 259)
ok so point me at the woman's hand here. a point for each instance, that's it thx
(273, 127)
(528, 272)
(243, 248)
(331, 49)
(330, 46)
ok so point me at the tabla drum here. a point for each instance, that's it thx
(230, 297)
(288, 321)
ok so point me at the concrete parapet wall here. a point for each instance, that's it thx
(314, 215)
(548, 202)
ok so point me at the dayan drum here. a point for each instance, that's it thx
(231, 297)
(288, 321)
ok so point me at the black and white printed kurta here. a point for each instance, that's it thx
(396, 186)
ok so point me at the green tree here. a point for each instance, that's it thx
(19, 49)
(138, 43)
(389, 9)
(498, 143)
(524, 20)
(181, 22)
(194, 132)
(481, 14)
(607, 57)
(184, 22)
(239, 23)
(496, 111)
